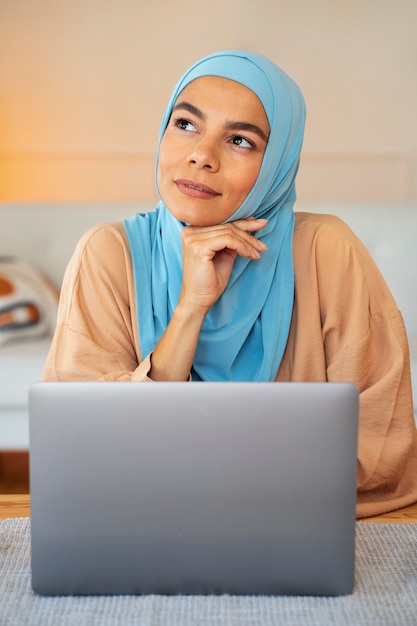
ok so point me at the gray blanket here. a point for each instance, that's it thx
(385, 592)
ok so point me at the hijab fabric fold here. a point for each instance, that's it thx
(244, 335)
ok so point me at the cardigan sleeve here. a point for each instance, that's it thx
(95, 336)
(365, 343)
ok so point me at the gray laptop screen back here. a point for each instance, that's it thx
(193, 488)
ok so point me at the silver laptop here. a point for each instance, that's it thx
(193, 488)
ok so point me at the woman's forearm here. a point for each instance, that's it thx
(173, 357)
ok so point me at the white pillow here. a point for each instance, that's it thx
(28, 301)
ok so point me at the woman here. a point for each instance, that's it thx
(224, 282)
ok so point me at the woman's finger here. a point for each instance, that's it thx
(251, 224)
(227, 236)
(242, 229)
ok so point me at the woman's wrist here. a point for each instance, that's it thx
(188, 313)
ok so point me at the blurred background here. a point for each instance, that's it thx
(83, 85)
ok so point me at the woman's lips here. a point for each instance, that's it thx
(196, 190)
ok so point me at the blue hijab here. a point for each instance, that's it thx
(245, 333)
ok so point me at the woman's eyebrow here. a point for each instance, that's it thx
(248, 126)
(232, 125)
(190, 108)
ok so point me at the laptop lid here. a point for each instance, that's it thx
(193, 488)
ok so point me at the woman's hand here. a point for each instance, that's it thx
(208, 256)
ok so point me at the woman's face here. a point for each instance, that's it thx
(211, 151)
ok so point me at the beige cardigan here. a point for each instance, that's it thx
(345, 327)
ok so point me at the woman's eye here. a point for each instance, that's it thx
(241, 142)
(185, 125)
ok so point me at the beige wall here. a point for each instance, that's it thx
(83, 84)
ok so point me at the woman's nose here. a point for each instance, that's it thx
(204, 155)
